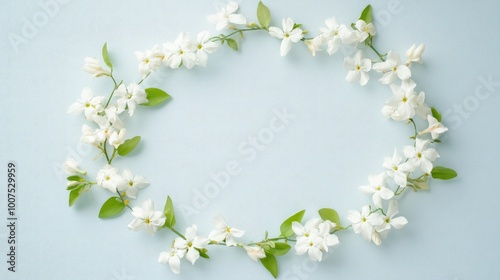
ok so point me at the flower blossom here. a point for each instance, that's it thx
(255, 252)
(93, 66)
(180, 52)
(389, 221)
(392, 69)
(378, 189)
(358, 68)
(223, 232)
(364, 222)
(414, 54)
(133, 183)
(109, 178)
(226, 16)
(314, 238)
(421, 156)
(191, 244)
(89, 104)
(290, 34)
(204, 46)
(71, 167)
(402, 105)
(173, 259)
(435, 128)
(129, 97)
(149, 61)
(397, 168)
(147, 218)
(364, 30)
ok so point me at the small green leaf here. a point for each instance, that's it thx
(155, 97)
(168, 210)
(105, 56)
(203, 253)
(232, 44)
(329, 214)
(75, 178)
(263, 15)
(366, 15)
(112, 207)
(270, 263)
(128, 146)
(280, 248)
(77, 186)
(436, 114)
(443, 173)
(286, 226)
(297, 25)
(73, 195)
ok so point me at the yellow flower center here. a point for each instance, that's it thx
(147, 221)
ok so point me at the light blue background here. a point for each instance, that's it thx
(337, 138)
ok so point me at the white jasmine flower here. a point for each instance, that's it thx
(89, 104)
(314, 45)
(109, 178)
(147, 218)
(289, 35)
(358, 68)
(365, 30)
(397, 168)
(204, 46)
(255, 252)
(389, 221)
(422, 109)
(106, 129)
(314, 238)
(402, 105)
(435, 128)
(173, 259)
(414, 54)
(130, 97)
(112, 115)
(335, 35)
(191, 244)
(392, 69)
(71, 167)
(93, 66)
(133, 183)
(89, 136)
(364, 222)
(180, 52)
(378, 189)
(149, 61)
(420, 156)
(223, 232)
(226, 16)
(117, 138)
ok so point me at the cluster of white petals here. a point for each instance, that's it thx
(314, 238)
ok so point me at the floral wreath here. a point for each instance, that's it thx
(106, 132)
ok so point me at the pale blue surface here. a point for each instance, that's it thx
(337, 138)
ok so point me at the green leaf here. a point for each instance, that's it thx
(155, 97)
(77, 186)
(263, 15)
(105, 56)
(128, 146)
(73, 196)
(203, 253)
(286, 226)
(329, 214)
(270, 263)
(280, 248)
(436, 114)
(112, 207)
(443, 173)
(75, 178)
(168, 210)
(366, 15)
(232, 44)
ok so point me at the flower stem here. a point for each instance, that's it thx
(376, 52)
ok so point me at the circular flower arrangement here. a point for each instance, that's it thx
(410, 170)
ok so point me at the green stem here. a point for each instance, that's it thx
(375, 50)
(414, 128)
(113, 92)
(222, 36)
(176, 232)
(105, 150)
(121, 198)
(140, 82)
